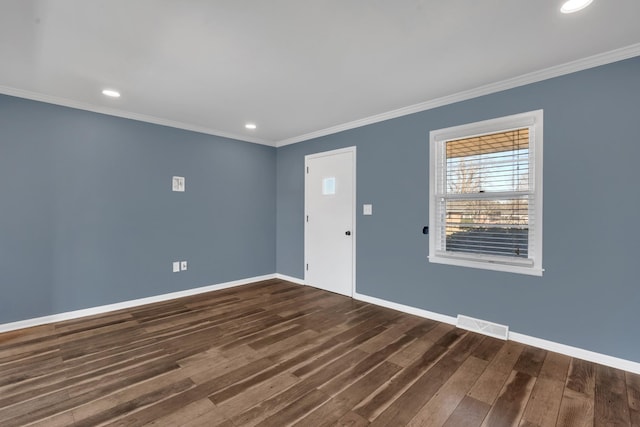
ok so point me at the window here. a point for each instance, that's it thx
(485, 194)
(329, 186)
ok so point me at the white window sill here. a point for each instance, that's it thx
(488, 265)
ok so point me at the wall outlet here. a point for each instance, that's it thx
(176, 266)
(183, 265)
(367, 209)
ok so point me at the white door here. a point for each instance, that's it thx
(330, 220)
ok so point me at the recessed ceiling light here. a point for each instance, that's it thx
(571, 6)
(250, 126)
(111, 93)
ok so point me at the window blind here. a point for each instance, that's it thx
(485, 197)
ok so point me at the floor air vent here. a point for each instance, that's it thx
(483, 327)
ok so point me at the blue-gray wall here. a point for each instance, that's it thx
(589, 296)
(88, 218)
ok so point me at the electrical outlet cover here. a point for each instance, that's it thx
(176, 266)
(183, 265)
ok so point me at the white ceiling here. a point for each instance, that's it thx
(296, 68)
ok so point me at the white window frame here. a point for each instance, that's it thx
(437, 141)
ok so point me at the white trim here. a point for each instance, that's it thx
(308, 157)
(525, 79)
(290, 279)
(484, 265)
(331, 152)
(28, 323)
(603, 359)
(579, 353)
(50, 99)
(484, 327)
(534, 120)
(406, 309)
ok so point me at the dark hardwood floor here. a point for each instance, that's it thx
(276, 354)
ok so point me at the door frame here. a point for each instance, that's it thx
(354, 233)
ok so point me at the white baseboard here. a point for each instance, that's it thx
(28, 323)
(602, 359)
(290, 279)
(406, 309)
(579, 353)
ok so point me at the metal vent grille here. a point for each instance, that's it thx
(483, 327)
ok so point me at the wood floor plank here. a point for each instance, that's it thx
(469, 413)
(28, 377)
(349, 376)
(275, 353)
(416, 349)
(351, 419)
(18, 336)
(211, 418)
(59, 420)
(333, 353)
(511, 401)
(555, 367)
(544, 404)
(300, 342)
(488, 349)
(269, 406)
(386, 395)
(132, 405)
(404, 408)
(185, 414)
(257, 394)
(582, 377)
(530, 361)
(157, 386)
(633, 396)
(32, 409)
(492, 380)
(444, 403)
(611, 403)
(92, 390)
(338, 406)
(193, 394)
(389, 334)
(633, 390)
(576, 409)
(411, 352)
(16, 352)
(296, 409)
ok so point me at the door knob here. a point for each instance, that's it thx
(348, 233)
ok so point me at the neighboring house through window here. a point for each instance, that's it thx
(485, 194)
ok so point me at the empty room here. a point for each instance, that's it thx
(319, 213)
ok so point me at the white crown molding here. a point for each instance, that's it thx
(49, 99)
(525, 79)
(28, 323)
(533, 77)
(603, 359)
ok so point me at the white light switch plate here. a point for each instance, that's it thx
(177, 183)
(183, 265)
(176, 266)
(367, 209)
